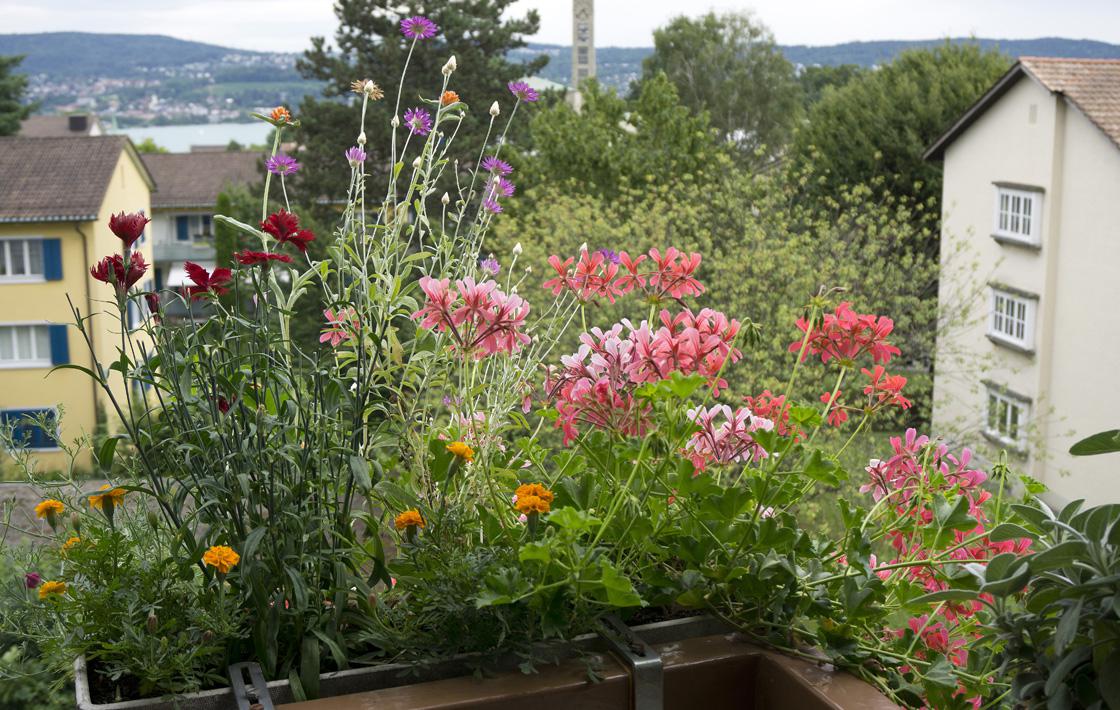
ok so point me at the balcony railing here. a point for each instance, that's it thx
(199, 249)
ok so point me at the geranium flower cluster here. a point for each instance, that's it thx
(481, 318)
(845, 335)
(728, 442)
(596, 384)
(908, 481)
(607, 274)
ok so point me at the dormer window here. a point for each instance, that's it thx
(1018, 215)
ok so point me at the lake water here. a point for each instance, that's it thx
(179, 139)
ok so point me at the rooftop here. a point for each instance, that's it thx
(58, 178)
(1092, 85)
(59, 126)
(195, 179)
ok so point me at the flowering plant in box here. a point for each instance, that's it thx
(432, 477)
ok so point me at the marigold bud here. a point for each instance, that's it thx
(76, 522)
(372, 598)
(494, 110)
(207, 636)
(153, 623)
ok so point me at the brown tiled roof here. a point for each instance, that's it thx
(57, 179)
(1092, 85)
(52, 127)
(196, 179)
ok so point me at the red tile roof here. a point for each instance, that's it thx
(1093, 85)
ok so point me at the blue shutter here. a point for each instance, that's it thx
(60, 345)
(183, 228)
(52, 259)
(25, 430)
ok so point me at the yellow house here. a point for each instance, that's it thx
(56, 196)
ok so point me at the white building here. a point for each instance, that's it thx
(1032, 193)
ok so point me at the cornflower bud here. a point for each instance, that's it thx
(153, 623)
(451, 66)
(362, 138)
(445, 199)
(517, 249)
(494, 110)
(396, 121)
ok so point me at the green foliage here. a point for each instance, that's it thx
(881, 122)
(613, 142)
(728, 66)
(816, 80)
(370, 46)
(1105, 442)
(149, 145)
(1060, 644)
(12, 88)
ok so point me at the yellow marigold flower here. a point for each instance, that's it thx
(221, 558)
(534, 489)
(71, 542)
(532, 504)
(49, 588)
(281, 115)
(461, 450)
(448, 98)
(49, 508)
(114, 496)
(408, 519)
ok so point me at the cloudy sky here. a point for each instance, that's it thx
(286, 24)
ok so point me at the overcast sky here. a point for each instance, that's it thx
(286, 24)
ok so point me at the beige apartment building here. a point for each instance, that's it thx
(1031, 237)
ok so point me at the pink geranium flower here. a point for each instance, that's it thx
(341, 326)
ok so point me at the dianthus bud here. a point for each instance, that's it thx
(207, 636)
(446, 199)
(76, 522)
(494, 110)
(450, 66)
(153, 623)
(372, 598)
(362, 138)
(517, 249)
(396, 121)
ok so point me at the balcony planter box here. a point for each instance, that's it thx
(702, 666)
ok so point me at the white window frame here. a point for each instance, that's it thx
(998, 319)
(6, 260)
(40, 359)
(57, 433)
(1010, 229)
(1012, 403)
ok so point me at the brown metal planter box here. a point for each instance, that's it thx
(701, 669)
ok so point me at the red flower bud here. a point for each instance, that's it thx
(128, 227)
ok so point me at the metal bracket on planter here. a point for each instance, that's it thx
(251, 696)
(644, 663)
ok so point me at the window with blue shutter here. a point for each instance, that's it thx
(183, 228)
(52, 259)
(60, 345)
(26, 430)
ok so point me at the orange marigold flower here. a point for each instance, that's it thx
(534, 489)
(281, 115)
(221, 558)
(408, 519)
(71, 542)
(461, 450)
(532, 504)
(49, 508)
(114, 496)
(52, 588)
(448, 98)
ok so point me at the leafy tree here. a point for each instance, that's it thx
(815, 80)
(370, 46)
(729, 66)
(613, 142)
(881, 122)
(148, 145)
(12, 88)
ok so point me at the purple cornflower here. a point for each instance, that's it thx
(503, 186)
(418, 121)
(281, 164)
(491, 164)
(490, 265)
(523, 91)
(492, 206)
(418, 27)
(32, 580)
(356, 156)
(611, 255)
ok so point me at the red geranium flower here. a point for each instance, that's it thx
(113, 271)
(284, 226)
(252, 258)
(129, 227)
(206, 282)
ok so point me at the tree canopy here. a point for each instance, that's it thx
(12, 89)
(729, 66)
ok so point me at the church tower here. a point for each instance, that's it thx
(583, 46)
